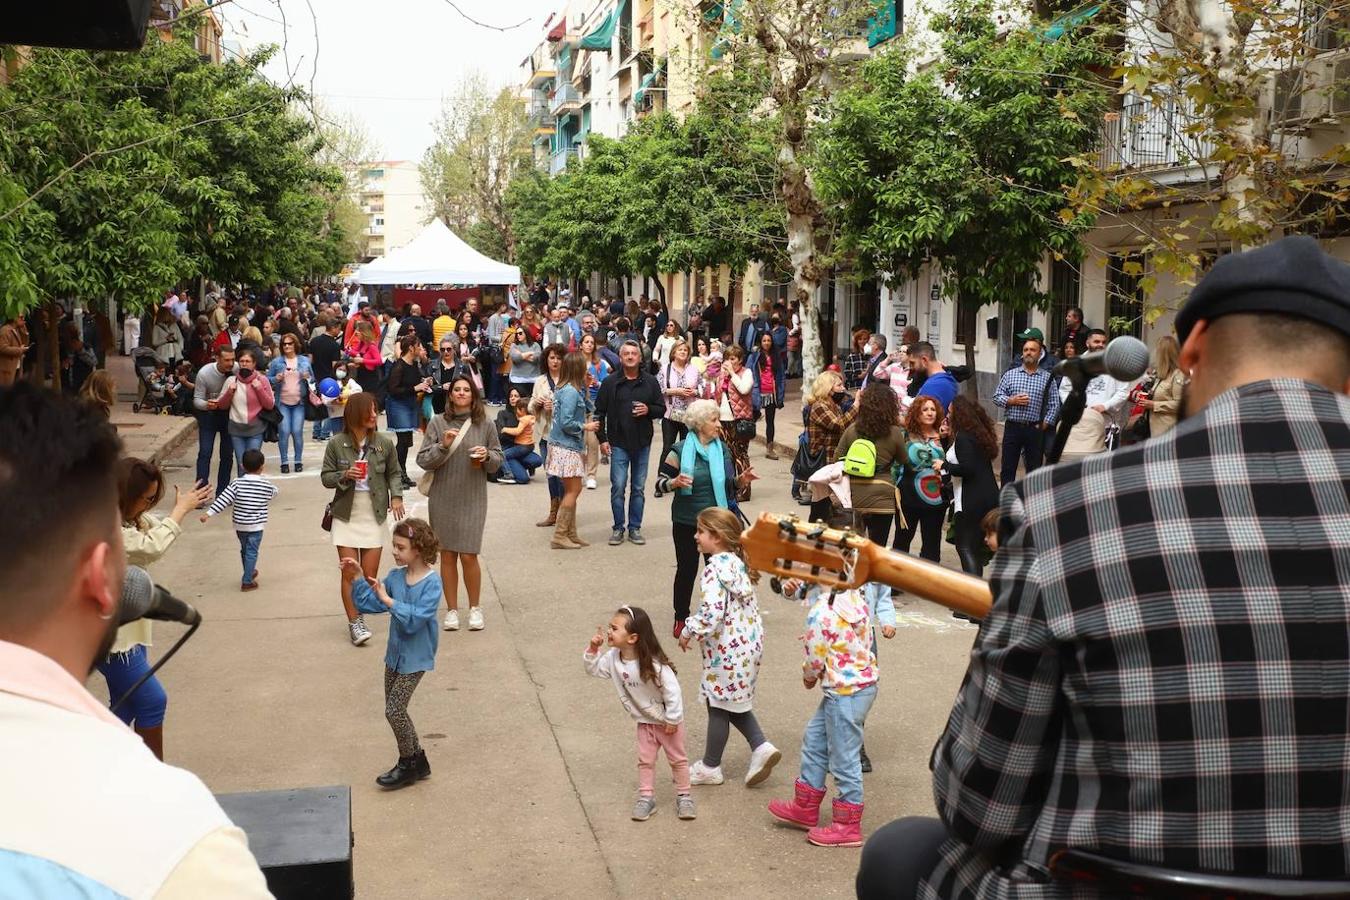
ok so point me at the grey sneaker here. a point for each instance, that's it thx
(616, 538)
(684, 807)
(359, 632)
(643, 809)
(635, 536)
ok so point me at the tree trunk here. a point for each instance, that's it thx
(972, 386)
(799, 197)
(54, 343)
(660, 289)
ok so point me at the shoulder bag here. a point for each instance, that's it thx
(428, 479)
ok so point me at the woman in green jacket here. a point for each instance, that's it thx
(361, 465)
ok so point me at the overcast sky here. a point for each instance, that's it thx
(390, 62)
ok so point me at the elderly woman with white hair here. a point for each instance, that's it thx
(700, 472)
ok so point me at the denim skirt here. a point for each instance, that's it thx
(401, 414)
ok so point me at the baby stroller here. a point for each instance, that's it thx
(150, 395)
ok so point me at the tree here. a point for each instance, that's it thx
(346, 146)
(797, 52)
(1242, 93)
(482, 142)
(968, 162)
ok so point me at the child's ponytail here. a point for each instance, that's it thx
(727, 528)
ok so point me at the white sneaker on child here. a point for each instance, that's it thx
(762, 761)
(702, 774)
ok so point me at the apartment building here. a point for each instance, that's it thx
(390, 194)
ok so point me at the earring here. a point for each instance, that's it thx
(107, 618)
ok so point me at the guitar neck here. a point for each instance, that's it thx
(954, 590)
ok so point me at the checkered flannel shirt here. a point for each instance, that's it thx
(1165, 674)
(1039, 386)
(854, 368)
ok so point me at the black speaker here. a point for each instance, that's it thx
(302, 838)
(991, 328)
(82, 24)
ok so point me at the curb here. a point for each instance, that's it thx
(171, 444)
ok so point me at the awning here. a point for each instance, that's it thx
(647, 81)
(603, 35)
(730, 25)
(882, 24)
(1071, 20)
(565, 61)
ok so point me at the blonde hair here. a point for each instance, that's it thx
(100, 391)
(723, 525)
(822, 387)
(1165, 354)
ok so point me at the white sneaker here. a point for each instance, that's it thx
(762, 761)
(590, 484)
(701, 774)
(505, 478)
(475, 619)
(451, 622)
(359, 632)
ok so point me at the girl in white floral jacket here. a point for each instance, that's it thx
(730, 634)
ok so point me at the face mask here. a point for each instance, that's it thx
(871, 350)
(340, 373)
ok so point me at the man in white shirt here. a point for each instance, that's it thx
(88, 810)
(1105, 400)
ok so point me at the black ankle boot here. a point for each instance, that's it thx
(862, 758)
(404, 773)
(420, 765)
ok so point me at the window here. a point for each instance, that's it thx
(1065, 292)
(965, 324)
(1124, 296)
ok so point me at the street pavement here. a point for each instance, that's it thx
(534, 766)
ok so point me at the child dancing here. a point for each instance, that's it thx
(411, 595)
(840, 657)
(730, 634)
(645, 681)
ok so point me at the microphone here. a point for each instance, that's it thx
(1124, 359)
(143, 599)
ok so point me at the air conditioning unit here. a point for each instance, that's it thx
(1318, 94)
(1338, 91)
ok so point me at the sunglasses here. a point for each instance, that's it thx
(447, 349)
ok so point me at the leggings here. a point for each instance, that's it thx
(878, 526)
(398, 691)
(719, 727)
(405, 441)
(970, 543)
(740, 456)
(686, 567)
(671, 431)
(768, 425)
(145, 708)
(928, 520)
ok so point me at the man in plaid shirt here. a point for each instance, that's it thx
(1164, 677)
(1029, 394)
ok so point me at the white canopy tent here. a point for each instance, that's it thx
(437, 256)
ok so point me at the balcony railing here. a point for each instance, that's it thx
(565, 99)
(163, 12)
(1147, 136)
(563, 158)
(540, 115)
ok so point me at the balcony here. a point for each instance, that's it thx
(1149, 137)
(542, 68)
(541, 118)
(375, 230)
(564, 158)
(565, 100)
(163, 12)
(646, 30)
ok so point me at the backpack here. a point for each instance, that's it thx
(861, 459)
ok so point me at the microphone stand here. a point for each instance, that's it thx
(1070, 411)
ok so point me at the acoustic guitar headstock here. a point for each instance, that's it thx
(787, 547)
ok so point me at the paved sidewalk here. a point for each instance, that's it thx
(144, 434)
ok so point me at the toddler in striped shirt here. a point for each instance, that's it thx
(249, 495)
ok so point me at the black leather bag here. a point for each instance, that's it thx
(271, 418)
(805, 464)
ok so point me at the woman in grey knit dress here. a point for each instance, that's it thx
(457, 504)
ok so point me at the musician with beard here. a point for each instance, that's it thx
(88, 809)
(1164, 677)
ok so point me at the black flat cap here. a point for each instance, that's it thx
(1293, 276)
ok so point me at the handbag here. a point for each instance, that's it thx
(805, 463)
(271, 419)
(744, 429)
(327, 522)
(424, 484)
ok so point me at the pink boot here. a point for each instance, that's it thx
(844, 831)
(804, 809)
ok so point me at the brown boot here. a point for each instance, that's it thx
(572, 530)
(553, 504)
(561, 541)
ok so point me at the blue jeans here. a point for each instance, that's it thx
(213, 428)
(321, 430)
(292, 427)
(624, 466)
(242, 444)
(832, 741)
(145, 708)
(520, 458)
(249, 542)
(555, 487)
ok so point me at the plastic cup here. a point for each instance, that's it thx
(362, 467)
